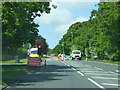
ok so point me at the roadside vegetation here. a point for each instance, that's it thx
(14, 61)
(106, 61)
(97, 38)
(10, 72)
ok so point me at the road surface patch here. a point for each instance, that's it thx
(96, 83)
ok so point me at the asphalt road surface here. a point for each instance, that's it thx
(69, 74)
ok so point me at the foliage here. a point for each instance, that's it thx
(99, 36)
(18, 26)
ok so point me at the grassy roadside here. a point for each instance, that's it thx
(106, 61)
(13, 61)
(11, 71)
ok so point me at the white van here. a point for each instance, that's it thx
(76, 54)
(33, 52)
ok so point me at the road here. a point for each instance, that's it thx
(69, 74)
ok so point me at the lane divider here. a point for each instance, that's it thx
(98, 68)
(96, 83)
(74, 69)
(116, 70)
(80, 73)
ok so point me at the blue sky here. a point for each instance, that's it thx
(54, 25)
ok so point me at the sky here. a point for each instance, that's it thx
(55, 24)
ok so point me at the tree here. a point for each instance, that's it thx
(18, 25)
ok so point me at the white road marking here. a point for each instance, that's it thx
(96, 83)
(93, 71)
(116, 70)
(113, 72)
(110, 84)
(98, 68)
(68, 65)
(80, 73)
(100, 74)
(105, 78)
(73, 68)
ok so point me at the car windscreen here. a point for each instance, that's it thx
(33, 52)
(76, 52)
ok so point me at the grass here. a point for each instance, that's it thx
(106, 61)
(13, 61)
(11, 71)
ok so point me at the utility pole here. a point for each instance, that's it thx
(72, 40)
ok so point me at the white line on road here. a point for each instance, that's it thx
(116, 70)
(98, 68)
(105, 78)
(99, 74)
(68, 65)
(113, 72)
(73, 68)
(110, 84)
(92, 71)
(96, 83)
(80, 73)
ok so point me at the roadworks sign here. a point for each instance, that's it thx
(34, 61)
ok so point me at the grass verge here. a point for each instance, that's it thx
(106, 61)
(11, 71)
(13, 61)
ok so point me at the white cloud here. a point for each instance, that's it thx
(81, 19)
(56, 17)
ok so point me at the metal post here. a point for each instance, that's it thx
(72, 40)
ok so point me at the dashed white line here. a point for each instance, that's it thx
(73, 68)
(116, 70)
(98, 68)
(110, 84)
(99, 74)
(105, 78)
(68, 65)
(113, 72)
(96, 83)
(80, 73)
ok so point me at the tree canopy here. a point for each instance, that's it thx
(18, 26)
(99, 36)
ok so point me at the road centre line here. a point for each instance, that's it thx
(105, 78)
(95, 83)
(110, 84)
(80, 73)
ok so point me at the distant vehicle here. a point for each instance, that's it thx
(33, 52)
(76, 54)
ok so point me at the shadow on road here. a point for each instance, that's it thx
(35, 75)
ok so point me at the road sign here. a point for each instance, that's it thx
(34, 61)
(63, 44)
